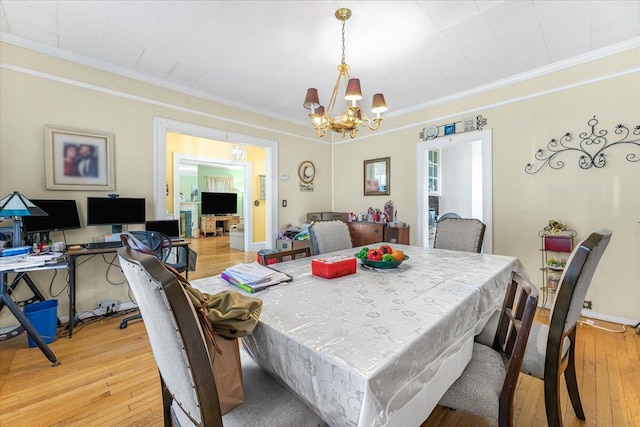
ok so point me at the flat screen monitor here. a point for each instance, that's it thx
(62, 215)
(115, 211)
(169, 227)
(219, 203)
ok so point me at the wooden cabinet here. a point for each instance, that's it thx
(209, 224)
(367, 233)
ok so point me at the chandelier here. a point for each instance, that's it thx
(237, 152)
(352, 118)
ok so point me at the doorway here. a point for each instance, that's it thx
(163, 126)
(464, 182)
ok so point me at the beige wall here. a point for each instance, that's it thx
(586, 200)
(125, 108)
(523, 116)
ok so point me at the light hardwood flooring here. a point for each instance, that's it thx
(108, 376)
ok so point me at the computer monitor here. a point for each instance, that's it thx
(115, 211)
(169, 227)
(61, 215)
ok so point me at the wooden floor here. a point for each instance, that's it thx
(108, 376)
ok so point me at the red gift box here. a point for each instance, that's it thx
(332, 267)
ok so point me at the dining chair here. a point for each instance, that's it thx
(460, 234)
(189, 394)
(280, 256)
(329, 236)
(488, 383)
(151, 243)
(551, 351)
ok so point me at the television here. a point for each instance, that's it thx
(115, 211)
(219, 203)
(61, 215)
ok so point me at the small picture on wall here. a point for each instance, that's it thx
(450, 129)
(78, 159)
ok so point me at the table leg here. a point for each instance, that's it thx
(5, 300)
(72, 293)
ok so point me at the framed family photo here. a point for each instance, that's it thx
(77, 159)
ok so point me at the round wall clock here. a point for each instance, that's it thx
(306, 172)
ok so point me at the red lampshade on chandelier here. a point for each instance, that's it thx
(349, 120)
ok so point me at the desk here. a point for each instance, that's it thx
(379, 347)
(73, 256)
(6, 288)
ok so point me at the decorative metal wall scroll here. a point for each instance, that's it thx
(468, 124)
(591, 148)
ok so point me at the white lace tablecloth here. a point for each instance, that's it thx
(360, 347)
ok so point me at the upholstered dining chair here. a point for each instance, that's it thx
(551, 348)
(488, 383)
(329, 236)
(189, 394)
(281, 256)
(151, 243)
(460, 234)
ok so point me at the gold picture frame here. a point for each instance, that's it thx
(78, 159)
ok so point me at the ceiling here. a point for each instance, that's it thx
(263, 55)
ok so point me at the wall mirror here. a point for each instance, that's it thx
(377, 177)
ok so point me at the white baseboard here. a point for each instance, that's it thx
(609, 317)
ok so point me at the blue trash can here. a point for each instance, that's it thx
(44, 318)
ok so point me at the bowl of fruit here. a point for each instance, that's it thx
(382, 257)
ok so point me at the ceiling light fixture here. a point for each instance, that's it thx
(350, 119)
(238, 153)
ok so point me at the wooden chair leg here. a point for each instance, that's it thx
(167, 399)
(572, 383)
(552, 399)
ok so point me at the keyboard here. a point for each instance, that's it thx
(103, 245)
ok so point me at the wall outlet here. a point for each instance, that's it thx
(106, 307)
(587, 305)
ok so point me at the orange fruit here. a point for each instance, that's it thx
(398, 255)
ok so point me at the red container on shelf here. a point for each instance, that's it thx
(334, 266)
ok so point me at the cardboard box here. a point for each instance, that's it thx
(335, 266)
(287, 245)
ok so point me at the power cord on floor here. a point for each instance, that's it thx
(592, 323)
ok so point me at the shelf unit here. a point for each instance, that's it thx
(553, 246)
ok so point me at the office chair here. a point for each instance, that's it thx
(189, 394)
(151, 243)
(487, 385)
(459, 234)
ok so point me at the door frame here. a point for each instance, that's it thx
(160, 128)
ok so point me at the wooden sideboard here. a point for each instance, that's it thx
(209, 223)
(366, 233)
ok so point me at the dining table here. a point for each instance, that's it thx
(381, 346)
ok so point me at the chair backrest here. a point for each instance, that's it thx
(281, 255)
(449, 215)
(575, 282)
(176, 338)
(329, 236)
(516, 317)
(460, 234)
(158, 242)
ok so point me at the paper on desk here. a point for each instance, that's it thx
(22, 262)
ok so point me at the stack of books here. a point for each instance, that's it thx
(253, 277)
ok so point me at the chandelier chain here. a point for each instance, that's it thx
(343, 32)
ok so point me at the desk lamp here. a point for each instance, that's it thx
(16, 206)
